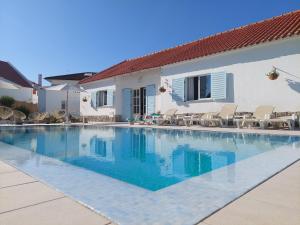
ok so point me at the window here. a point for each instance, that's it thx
(63, 105)
(198, 87)
(101, 98)
(136, 101)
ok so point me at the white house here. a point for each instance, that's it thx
(201, 76)
(14, 84)
(54, 97)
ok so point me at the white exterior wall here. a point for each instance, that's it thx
(134, 81)
(50, 101)
(22, 94)
(247, 84)
(86, 108)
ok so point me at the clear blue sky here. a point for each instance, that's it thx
(64, 36)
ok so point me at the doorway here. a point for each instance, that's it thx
(139, 105)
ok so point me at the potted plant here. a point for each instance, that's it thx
(84, 99)
(273, 75)
(162, 89)
(131, 121)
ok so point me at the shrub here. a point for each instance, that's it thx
(23, 109)
(7, 101)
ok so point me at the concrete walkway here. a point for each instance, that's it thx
(274, 202)
(26, 201)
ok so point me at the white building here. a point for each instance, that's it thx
(54, 97)
(14, 84)
(202, 76)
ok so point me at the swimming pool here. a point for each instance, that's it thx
(152, 159)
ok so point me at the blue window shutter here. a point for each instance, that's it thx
(126, 104)
(178, 90)
(110, 97)
(94, 99)
(150, 99)
(218, 86)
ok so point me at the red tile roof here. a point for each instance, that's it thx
(9, 72)
(276, 28)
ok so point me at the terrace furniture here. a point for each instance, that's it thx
(289, 121)
(261, 116)
(206, 117)
(168, 117)
(224, 116)
(191, 119)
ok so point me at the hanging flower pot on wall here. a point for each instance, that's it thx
(162, 89)
(84, 99)
(273, 75)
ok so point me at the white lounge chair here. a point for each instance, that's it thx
(261, 116)
(290, 121)
(226, 114)
(168, 117)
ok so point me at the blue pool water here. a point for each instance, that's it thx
(149, 158)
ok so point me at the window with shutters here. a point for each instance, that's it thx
(198, 87)
(101, 98)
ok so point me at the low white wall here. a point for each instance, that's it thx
(50, 101)
(248, 85)
(22, 94)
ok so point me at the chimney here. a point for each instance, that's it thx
(40, 80)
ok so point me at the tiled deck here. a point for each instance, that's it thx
(275, 202)
(24, 200)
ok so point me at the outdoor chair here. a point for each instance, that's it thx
(225, 116)
(261, 116)
(168, 117)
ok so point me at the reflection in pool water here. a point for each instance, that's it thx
(149, 158)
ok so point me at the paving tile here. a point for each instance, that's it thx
(24, 195)
(58, 212)
(253, 212)
(14, 178)
(5, 168)
(282, 194)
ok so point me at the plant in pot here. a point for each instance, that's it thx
(131, 121)
(84, 99)
(273, 75)
(162, 89)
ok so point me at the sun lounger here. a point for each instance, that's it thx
(224, 117)
(168, 117)
(261, 116)
(190, 120)
(206, 118)
(289, 121)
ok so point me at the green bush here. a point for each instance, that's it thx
(7, 101)
(23, 109)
